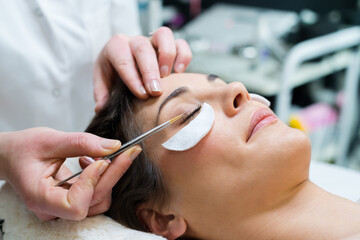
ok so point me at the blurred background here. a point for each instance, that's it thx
(302, 55)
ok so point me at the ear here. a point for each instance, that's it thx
(166, 225)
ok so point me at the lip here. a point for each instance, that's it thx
(260, 119)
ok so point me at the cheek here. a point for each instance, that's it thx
(194, 165)
(201, 171)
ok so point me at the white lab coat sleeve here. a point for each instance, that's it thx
(125, 17)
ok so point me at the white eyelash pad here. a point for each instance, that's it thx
(260, 98)
(192, 133)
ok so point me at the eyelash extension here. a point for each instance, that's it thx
(190, 115)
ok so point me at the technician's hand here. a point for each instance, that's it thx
(139, 61)
(31, 158)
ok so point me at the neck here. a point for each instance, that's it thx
(307, 212)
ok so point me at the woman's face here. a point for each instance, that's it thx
(234, 171)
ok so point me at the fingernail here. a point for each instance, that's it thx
(164, 70)
(110, 144)
(155, 86)
(180, 67)
(103, 167)
(135, 151)
(142, 90)
(88, 160)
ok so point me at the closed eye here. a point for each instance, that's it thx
(188, 116)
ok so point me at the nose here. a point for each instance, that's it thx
(235, 96)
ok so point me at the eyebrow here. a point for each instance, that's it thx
(178, 92)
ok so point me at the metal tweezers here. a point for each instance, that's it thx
(129, 144)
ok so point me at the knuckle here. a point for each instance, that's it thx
(183, 48)
(166, 53)
(124, 63)
(140, 44)
(118, 38)
(42, 129)
(140, 41)
(148, 72)
(81, 141)
(141, 49)
(42, 134)
(164, 30)
(181, 41)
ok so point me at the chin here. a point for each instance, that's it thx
(284, 153)
(284, 145)
(295, 148)
(298, 143)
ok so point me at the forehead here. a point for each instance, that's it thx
(173, 81)
(149, 108)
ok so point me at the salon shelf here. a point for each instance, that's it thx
(265, 79)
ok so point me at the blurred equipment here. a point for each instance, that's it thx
(249, 45)
(318, 47)
(228, 27)
(275, 52)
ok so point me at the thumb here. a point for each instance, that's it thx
(63, 145)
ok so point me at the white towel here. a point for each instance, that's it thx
(23, 224)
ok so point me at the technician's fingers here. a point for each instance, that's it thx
(44, 217)
(64, 145)
(63, 173)
(72, 203)
(81, 192)
(163, 40)
(120, 55)
(85, 161)
(101, 207)
(115, 171)
(183, 57)
(146, 60)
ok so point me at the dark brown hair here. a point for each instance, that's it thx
(142, 182)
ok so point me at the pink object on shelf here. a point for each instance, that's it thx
(314, 117)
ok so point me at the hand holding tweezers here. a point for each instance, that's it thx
(129, 144)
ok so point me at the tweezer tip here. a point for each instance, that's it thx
(176, 118)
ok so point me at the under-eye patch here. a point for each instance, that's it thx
(193, 132)
(260, 98)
